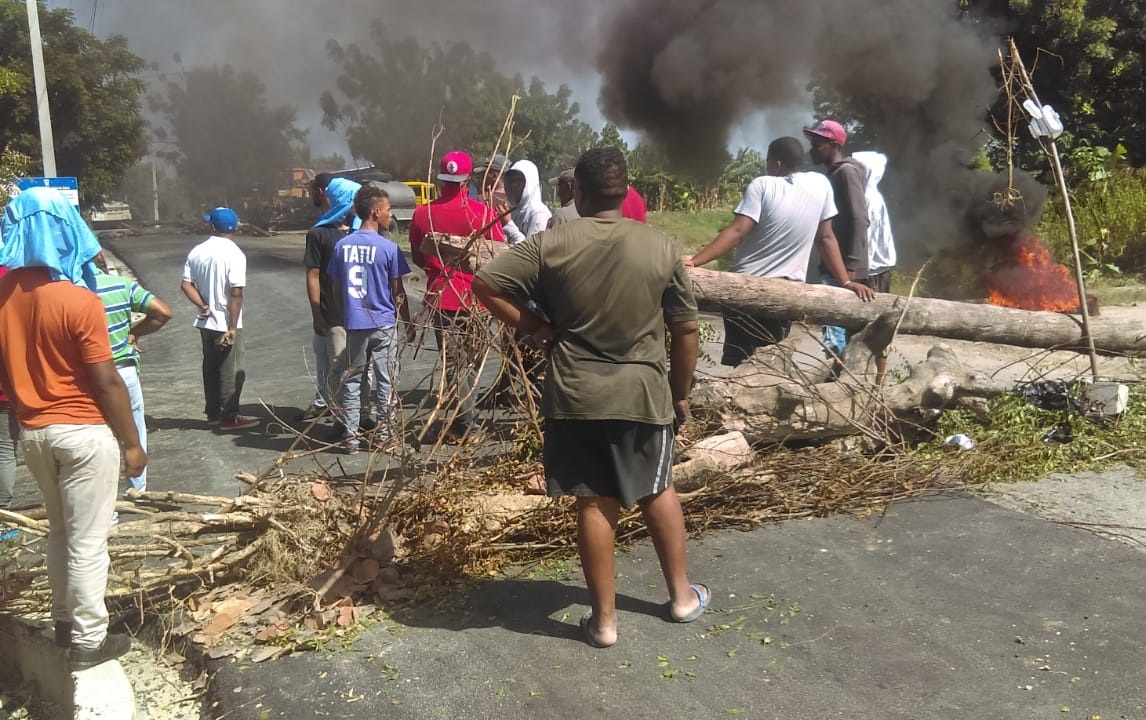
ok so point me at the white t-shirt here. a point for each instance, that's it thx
(787, 211)
(215, 266)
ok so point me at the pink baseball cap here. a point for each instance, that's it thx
(456, 167)
(829, 130)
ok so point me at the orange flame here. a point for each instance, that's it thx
(1026, 277)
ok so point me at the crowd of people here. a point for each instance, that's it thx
(591, 284)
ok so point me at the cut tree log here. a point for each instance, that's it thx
(821, 304)
(761, 400)
(824, 305)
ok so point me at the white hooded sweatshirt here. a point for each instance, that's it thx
(531, 215)
(880, 243)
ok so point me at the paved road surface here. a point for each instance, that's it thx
(945, 608)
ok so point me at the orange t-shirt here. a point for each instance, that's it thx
(50, 332)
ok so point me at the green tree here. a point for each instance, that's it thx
(94, 93)
(393, 97)
(233, 144)
(1087, 61)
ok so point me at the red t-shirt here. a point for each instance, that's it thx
(454, 213)
(634, 207)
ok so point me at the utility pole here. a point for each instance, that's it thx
(154, 188)
(47, 144)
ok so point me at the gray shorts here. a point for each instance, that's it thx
(608, 458)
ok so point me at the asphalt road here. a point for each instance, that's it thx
(185, 455)
(943, 608)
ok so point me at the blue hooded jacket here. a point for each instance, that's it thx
(42, 229)
(341, 193)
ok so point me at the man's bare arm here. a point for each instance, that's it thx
(504, 308)
(196, 299)
(314, 296)
(234, 308)
(158, 314)
(725, 242)
(682, 363)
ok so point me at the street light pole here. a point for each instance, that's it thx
(154, 189)
(47, 144)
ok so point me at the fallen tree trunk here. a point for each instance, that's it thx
(761, 400)
(821, 304)
(824, 305)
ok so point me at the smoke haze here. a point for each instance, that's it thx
(684, 73)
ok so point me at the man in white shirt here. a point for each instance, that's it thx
(782, 215)
(213, 280)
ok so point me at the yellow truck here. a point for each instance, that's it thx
(424, 192)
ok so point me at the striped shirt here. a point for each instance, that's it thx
(121, 297)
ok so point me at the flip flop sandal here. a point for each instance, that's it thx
(588, 635)
(703, 597)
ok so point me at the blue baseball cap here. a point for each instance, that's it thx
(224, 219)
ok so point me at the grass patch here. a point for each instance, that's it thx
(694, 230)
(1011, 446)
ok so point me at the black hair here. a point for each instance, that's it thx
(788, 151)
(322, 179)
(367, 198)
(602, 173)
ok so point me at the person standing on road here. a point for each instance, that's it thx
(848, 178)
(9, 442)
(528, 213)
(782, 215)
(336, 198)
(213, 280)
(880, 242)
(612, 398)
(56, 364)
(568, 210)
(368, 270)
(121, 297)
(448, 290)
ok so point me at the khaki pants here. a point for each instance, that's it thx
(77, 469)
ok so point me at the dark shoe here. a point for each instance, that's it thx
(239, 422)
(367, 424)
(313, 412)
(63, 633)
(113, 646)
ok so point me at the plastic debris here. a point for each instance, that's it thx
(961, 441)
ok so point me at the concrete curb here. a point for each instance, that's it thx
(31, 656)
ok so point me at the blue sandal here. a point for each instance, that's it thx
(702, 597)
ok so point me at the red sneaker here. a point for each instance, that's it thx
(239, 422)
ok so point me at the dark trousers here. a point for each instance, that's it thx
(744, 334)
(223, 375)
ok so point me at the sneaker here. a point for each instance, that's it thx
(63, 632)
(351, 446)
(112, 647)
(213, 423)
(385, 444)
(313, 412)
(239, 422)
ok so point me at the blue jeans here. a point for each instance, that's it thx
(835, 337)
(130, 375)
(378, 350)
(9, 437)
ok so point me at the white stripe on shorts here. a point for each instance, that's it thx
(661, 464)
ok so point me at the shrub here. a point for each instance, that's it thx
(1110, 214)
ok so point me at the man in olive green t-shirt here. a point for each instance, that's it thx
(612, 399)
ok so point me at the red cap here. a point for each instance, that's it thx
(456, 167)
(830, 130)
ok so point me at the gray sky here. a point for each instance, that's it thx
(284, 42)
